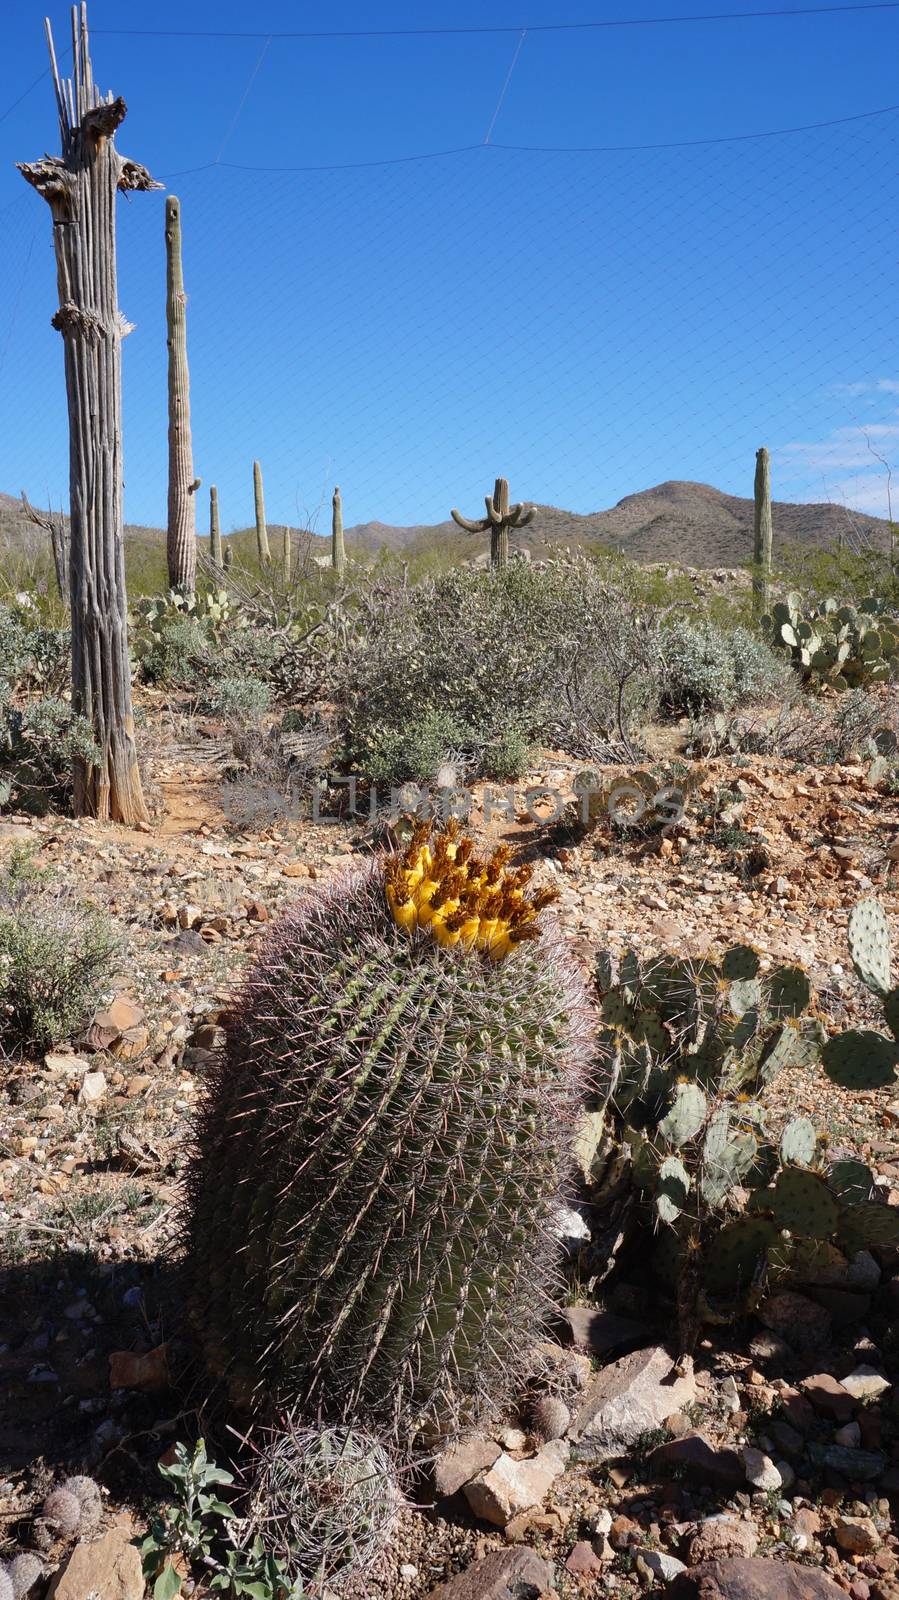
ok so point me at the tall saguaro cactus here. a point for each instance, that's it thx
(338, 551)
(262, 545)
(181, 538)
(80, 187)
(499, 519)
(215, 529)
(762, 534)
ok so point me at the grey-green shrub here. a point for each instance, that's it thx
(38, 741)
(708, 668)
(55, 955)
(33, 656)
(243, 700)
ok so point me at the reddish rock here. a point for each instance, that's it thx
(828, 1397)
(511, 1574)
(583, 1560)
(804, 1324)
(754, 1579)
(699, 1460)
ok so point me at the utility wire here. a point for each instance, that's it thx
(534, 149)
(539, 27)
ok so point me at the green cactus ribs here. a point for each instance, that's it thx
(377, 1165)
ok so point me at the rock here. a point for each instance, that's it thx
(147, 1373)
(806, 1520)
(863, 1272)
(600, 1333)
(562, 1371)
(571, 1228)
(550, 1417)
(805, 1325)
(110, 1567)
(829, 1397)
(769, 1347)
(630, 1397)
(543, 1524)
(858, 1466)
(131, 1043)
(787, 1439)
(511, 1439)
(93, 1089)
(463, 1461)
(108, 1024)
(850, 1435)
(623, 1532)
(583, 1560)
(696, 1458)
(514, 1574)
(718, 1538)
(754, 1579)
(858, 1536)
(659, 1564)
(866, 1383)
(760, 1470)
(730, 1395)
(295, 869)
(509, 1486)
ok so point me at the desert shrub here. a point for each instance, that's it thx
(176, 654)
(242, 700)
(855, 726)
(708, 668)
(55, 954)
(848, 574)
(551, 653)
(38, 742)
(34, 656)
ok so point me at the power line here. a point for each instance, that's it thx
(540, 27)
(535, 149)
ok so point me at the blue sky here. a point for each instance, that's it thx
(586, 321)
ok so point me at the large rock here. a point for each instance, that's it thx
(599, 1333)
(510, 1486)
(721, 1538)
(631, 1397)
(110, 1567)
(699, 1460)
(462, 1462)
(515, 1574)
(754, 1579)
(805, 1325)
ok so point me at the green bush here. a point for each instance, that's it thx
(241, 700)
(552, 653)
(176, 654)
(34, 656)
(708, 668)
(55, 954)
(38, 743)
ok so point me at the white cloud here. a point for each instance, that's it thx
(869, 387)
(845, 467)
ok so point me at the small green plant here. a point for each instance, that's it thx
(55, 954)
(194, 1528)
(38, 744)
(242, 701)
(711, 668)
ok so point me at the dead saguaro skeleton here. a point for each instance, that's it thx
(80, 187)
(499, 519)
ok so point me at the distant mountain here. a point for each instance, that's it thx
(689, 524)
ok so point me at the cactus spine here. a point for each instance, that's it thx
(338, 553)
(380, 1152)
(215, 530)
(500, 518)
(262, 545)
(762, 534)
(181, 540)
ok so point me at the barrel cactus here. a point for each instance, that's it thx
(382, 1145)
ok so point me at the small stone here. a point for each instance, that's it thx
(131, 1043)
(295, 869)
(463, 1461)
(629, 1397)
(659, 1564)
(730, 1393)
(850, 1435)
(512, 1438)
(698, 1459)
(93, 1089)
(858, 1536)
(866, 1383)
(624, 1532)
(717, 1538)
(754, 1579)
(583, 1560)
(859, 1466)
(760, 1470)
(602, 1333)
(807, 1520)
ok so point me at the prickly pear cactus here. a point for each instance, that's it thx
(861, 1058)
(378, 1160)
(843, 645)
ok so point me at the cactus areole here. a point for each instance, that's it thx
(382, 1146)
